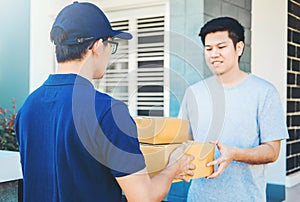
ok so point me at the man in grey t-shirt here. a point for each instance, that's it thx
(241, 112)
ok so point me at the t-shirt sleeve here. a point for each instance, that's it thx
(272, 124)
(122, 151)
(183, 111)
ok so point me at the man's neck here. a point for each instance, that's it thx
(232, 78)
(73, 67)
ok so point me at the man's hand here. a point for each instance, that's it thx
(266, 152)
(227, 155)
(182, 163)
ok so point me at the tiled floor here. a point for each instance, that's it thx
(292, 194)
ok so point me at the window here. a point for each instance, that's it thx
(115, 81)
(137, 73)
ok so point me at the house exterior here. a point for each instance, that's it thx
(151, 72)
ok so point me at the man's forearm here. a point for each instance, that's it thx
(264, 153)
(161, 183)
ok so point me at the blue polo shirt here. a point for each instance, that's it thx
(74, 141)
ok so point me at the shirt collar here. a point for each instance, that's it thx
(66, 79)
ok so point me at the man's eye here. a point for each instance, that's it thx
(208, 49)
(221, 47)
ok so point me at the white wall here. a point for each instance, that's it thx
(269, 59)
(10, 168)
(41, 49)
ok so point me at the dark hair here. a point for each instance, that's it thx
(235, 29)
(66, 53)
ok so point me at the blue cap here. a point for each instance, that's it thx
(85, 22)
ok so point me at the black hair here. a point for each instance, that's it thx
(66, 53)
(235, 29)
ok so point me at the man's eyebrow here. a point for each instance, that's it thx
(221, 43)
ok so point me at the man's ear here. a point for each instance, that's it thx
(240, 47)
(96, 45)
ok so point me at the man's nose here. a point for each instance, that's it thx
(215, 52)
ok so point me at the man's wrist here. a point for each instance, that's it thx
(236, 153)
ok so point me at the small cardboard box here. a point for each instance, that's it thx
(203, 153)
(157, 157)
(161, 130)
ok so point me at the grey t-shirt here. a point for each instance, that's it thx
(244, 116)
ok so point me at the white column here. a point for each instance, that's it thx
(41, 49)
(269, 59)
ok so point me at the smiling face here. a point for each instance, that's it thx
(220, 54)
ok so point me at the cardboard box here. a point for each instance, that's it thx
(157, 156)
(161, 130)
(204, 153)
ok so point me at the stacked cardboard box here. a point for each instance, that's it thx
(161, 130)
(160, 136)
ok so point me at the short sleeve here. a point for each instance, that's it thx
(183, 111)
(122, 151)
(271, 120)
(183, 108)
